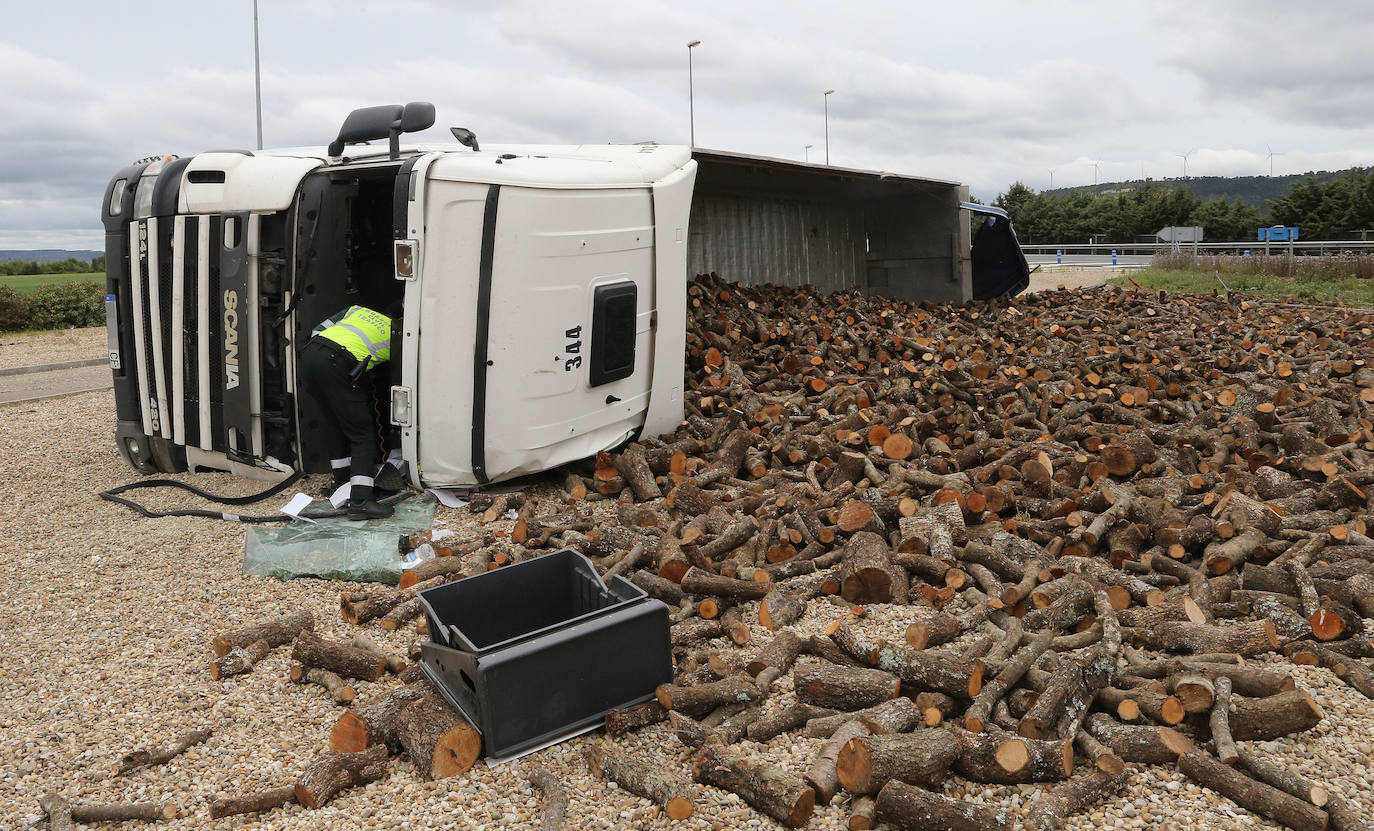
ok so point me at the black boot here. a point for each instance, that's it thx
(361, 505)
(368, 509)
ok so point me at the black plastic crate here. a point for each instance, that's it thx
(540, 651)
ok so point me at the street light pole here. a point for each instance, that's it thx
(257, 72)
(691, 96)
(807, 151)
(826, 99)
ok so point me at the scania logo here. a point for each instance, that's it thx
(231, 339)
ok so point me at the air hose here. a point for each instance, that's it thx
(113, 495)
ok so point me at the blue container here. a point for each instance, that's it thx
(540, 651)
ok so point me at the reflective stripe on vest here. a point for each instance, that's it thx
(364, 333)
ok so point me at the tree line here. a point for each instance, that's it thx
(1321, 209)
(70, 265)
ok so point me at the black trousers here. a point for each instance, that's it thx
(325, 376)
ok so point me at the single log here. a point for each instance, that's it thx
(633, 465)
(555, 795)
(374, 722)
(1103, 757)
(826, 649)
(843, 688)
(333, 772)
(336, 686)
(1252, 681)
(693, 630)
(885, 717)
(922, 758)
(780, 609)
(276, 632)
(930, 671)
(1349, 670)
(438, 741)
(253, 803)
(703, 698)
(770, 790)
(394, 663)
(899, 715)
(821, 776)
(1252, 795)
(786, 720)
(1221, 557)
(1284, 778)
(644, 776)
(700, 581)
(933, 631)
(62, 814)
(659, 587)
(1147, 744)
(1247, 639)
(1195, 691)
(733, 625)
(1261, 719)
(780, 652)
(145, 757)
(1053, 807)
(915, 809)
(341, 659)
(1065, 683)
(239, 659)
(1220, 723)
(624, 719)
(401, 615)
(1143, 700)
(866, 570)
(58, 810)
(1003, 759)
(935, 707)
(862, 814)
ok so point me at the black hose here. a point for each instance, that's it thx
(113, 495)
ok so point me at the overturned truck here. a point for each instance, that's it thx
(543, 286)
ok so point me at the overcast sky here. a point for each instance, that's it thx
(985, 93)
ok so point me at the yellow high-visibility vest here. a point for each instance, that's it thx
(363, 332)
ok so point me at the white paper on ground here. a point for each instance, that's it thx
(448, 497)
(298, 503)
(340, 496)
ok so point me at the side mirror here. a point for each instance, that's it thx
(417, 116)
(366, 124)
(385, 121)
(465, 137)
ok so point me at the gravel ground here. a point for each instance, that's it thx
(104, 633)
(25, 348)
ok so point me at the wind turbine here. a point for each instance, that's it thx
(1097, 164)
(1184, 157)
(1051, 170)
(1272, 154)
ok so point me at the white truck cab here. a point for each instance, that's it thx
(543, 287)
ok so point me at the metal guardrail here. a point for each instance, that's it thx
(1303, 248)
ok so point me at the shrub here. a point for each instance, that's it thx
(67, 304)
(14, 310)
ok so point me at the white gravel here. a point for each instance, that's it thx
(25, 348)
(104, 629)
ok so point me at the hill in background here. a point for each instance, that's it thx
(1256, 191)
(48, 255)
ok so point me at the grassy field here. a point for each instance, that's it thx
(1307, 288)
(29, 283)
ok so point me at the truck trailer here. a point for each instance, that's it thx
(543, 286)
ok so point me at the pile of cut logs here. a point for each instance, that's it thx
(1107, 503)
(1110, 502)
